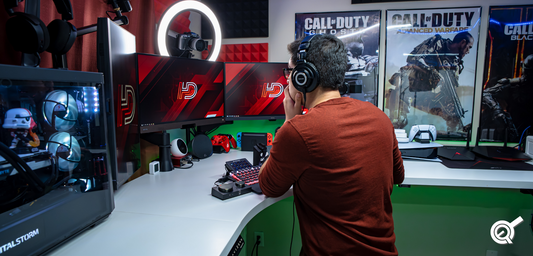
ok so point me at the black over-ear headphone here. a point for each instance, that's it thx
(28, 34)
(305, 76)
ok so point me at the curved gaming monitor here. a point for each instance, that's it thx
(254, 91)
(174, 92)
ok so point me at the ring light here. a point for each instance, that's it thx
(180, 7)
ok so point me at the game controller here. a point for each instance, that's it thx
(231, 139)
(423, 132)
(269, 139)
(239, 139)
(220, 144)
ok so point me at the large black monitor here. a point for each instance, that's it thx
(175, 92)
(116, 60)
(254, 91)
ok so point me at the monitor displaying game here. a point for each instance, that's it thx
(174, 92)
(254, 91)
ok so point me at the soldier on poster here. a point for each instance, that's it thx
(360, 33)
(508, 76)
(427, 82)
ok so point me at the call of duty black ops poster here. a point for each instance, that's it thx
(507, 98)
(359, 31)
(430, 69)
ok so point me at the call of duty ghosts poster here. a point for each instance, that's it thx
(507, 98)
(360, 33)
(430, 69)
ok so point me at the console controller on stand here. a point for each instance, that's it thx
(424, 133)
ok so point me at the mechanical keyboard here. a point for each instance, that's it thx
(242, 170)
(241, 178)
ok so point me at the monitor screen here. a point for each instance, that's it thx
(174, 92)
(254, 91)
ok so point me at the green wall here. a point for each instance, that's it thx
(436, 221)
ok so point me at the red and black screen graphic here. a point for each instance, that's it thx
(254, 90)
(176, 89)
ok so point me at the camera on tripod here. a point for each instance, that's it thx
(190, 41)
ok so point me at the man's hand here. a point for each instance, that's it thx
(292, 107)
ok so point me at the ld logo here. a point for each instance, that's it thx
(187, 90)
(272, 90)
(126, 105)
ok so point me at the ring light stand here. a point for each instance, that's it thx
(176, 9)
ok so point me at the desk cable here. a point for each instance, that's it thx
(256, 245)
(292, 233)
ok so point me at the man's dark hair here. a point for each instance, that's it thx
(463, 36)
(328, 54)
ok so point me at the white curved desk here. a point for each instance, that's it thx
(173, 213)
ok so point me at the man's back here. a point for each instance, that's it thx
(343, 159)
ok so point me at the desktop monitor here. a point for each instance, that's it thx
(176, 92)
(116, 60)
(254, 91)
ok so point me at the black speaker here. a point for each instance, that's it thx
(305, 76)
(201, 146)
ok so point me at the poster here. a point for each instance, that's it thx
(360, 33)
(506, 102)
(430, 69)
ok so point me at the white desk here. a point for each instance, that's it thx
(174, 213)
(436, 174)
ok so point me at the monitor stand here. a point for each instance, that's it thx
(458, 153)
(163, 141)
(500, 153)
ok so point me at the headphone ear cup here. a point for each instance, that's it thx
(305, 77)
(62, 36)
(27, 33)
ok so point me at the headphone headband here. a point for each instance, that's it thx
(304, 46)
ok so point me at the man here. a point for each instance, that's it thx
(429, 80)
(515, 94)
(341, 158)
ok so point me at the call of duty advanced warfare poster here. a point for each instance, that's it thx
(430, 69)
(359, 31)
(506, 102)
